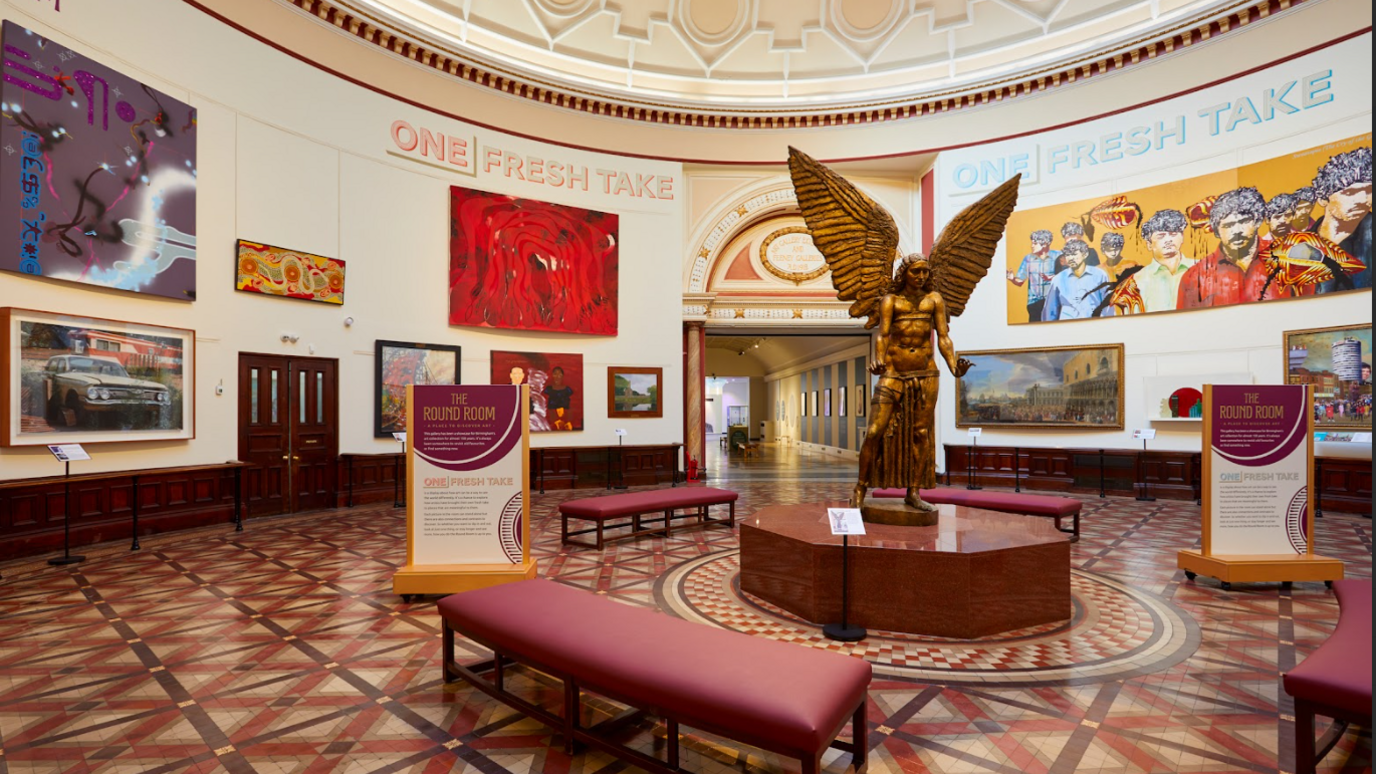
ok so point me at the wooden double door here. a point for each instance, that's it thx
(288, 432)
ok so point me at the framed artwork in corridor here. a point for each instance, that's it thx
(1337, 361)
(398, 364)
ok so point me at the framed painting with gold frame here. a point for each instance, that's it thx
(635, 393)
(1337, 361)
(1043, 387)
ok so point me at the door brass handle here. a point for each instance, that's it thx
(284, 456)
(298, 459)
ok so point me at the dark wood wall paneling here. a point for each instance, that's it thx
(31, 510)
(102, 506)
(1344, 485)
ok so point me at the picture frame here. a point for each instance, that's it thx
(1043, 387)
(399, 364)
(79, 379)
(826, 402)
(814, 404)
(556, 386)
(841, 403)
(635, 392)
(304, 276)
(802, 404)
(1341, 379)
(860, 402)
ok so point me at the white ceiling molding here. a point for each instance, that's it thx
(782, 63)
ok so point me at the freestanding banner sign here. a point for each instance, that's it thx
(468, 493)
(1258, 516)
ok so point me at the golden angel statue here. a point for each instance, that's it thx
(859, 240)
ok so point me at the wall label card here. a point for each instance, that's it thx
(845, 521)
(399, 437)
(69, 452)
(976, 432)
(1256, 500)
(467, 474)
(1144, 434)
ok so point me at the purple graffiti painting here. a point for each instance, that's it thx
(97, 173)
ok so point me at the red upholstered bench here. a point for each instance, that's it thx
(781, 697)
(1004, 502)
(634, 505)
(1335, 681)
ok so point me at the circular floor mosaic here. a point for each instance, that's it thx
(1116, 632)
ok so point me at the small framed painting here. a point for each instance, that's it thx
(802, 404)
(398, 364)
(634, 392)
(860, 399)
(841, 404)
(277, 271)
(826, 402)
(814, 404)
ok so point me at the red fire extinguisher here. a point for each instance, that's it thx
(692, 469)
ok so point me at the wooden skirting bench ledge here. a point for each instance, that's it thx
(780, 697)
(635, 505)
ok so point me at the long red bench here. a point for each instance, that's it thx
(1057, 508)
(1335, 681)
(635, 505)
(780, 697)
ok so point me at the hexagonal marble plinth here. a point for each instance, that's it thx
(973, 574)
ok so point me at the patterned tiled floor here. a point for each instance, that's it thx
(281, 649)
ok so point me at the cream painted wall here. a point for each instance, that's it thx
(292, 156)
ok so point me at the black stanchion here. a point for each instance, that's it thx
(1017, 472)
(1102, 491)
(970, 464)
(1144, 492)
(620, 464)
(239, 499)
(398, 500)
(843, 631)
(67, 557)
(134, 513)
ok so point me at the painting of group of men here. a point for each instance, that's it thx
(1234, 247)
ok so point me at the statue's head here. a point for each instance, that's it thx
(914, 273)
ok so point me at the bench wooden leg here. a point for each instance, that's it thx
(599, 535)
(812, 765)
(668, 524)
(671, 734)
(564, 538)
(1304, 738)
(570, 714)
(447, 646)
(860, 737)
(731, 514)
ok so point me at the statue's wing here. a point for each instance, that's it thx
(963, 253)
(857, 237)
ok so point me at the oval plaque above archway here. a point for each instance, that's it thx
(789, 254)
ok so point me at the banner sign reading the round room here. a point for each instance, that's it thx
(467, 498)
(1259, 460)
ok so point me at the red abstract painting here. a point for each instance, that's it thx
(519, 263)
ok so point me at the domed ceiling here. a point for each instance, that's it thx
(780, 57)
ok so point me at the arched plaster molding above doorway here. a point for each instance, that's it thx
(788, 305)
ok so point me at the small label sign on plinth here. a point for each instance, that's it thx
(69, 452)
(845, 521)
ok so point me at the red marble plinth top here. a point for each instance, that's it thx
(960, 530)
